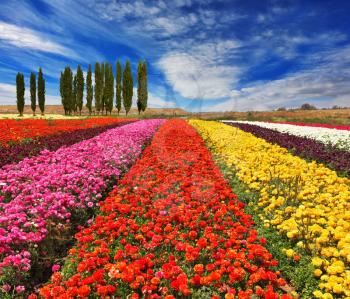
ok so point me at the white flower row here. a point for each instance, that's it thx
(338, 138)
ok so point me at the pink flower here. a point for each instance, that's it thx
(55, 268)
(20, 289)
(6, 288)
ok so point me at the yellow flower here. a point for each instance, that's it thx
(316, 261)
(318, 272)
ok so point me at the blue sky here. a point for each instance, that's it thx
(209, 55)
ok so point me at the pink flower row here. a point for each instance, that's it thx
(51, 185)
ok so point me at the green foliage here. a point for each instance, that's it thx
(103, 74)
(109, 88)
(127, 87)
(298, 274)
(66, 89)
(79, 89)
(74, 95)
(41, 91)
(98, 87)
(89, 90)
(33, 92)
(142, 93)
(118, 89)
(20, 88)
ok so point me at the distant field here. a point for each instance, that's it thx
(7, 110)
(336, 116)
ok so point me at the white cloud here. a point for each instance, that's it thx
(26, 38)
(325, 85)
(201, 73)
(7, 94)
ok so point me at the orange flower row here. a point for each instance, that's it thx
(172, 228)
(12, 131)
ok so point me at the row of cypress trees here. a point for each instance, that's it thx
(72, 88)
(20, 91)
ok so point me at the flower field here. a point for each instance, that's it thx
(13, 131)
(21, 150)
(327, 136)
(172, 228)
(105, 208)
(302, 146)
(304, 201)
(41, 194)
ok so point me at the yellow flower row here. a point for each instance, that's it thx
(306, 201)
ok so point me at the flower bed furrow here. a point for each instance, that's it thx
(329, 137)
(13, 131)
(305, 202)
(39, 195)
(19, 151)
(338, 160)
(171, 229)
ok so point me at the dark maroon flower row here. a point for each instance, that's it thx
(18, 152)
(334, 158)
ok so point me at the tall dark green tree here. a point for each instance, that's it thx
(103, 75)
(118, 88)
(127, 87)
(20, 88)
(66, 89)
(41, 91)
(142, 93)
(109, 88)
(145, 87)
(33, 92)
(98, 87)
(74, 94)
(80, 89)
(89, 90)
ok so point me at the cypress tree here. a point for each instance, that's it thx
(33, 92)
(103, 75)
(139, 86)
(118, 88)
(89, 90)
(142, 92)
(145, 87)
(98, 87)
(74, 95)
(41, 91)
(66, 86)
(109, 88)
(127, 87)
(20, 88)
(80, 89)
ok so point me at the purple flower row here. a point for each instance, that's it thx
(307, 148)
(19, 151)
(41, 192)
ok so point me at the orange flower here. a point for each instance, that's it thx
(199, 268)
(155, 280)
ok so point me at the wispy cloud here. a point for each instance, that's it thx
(26, 38)
(324, 85)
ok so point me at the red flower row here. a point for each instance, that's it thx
(12, 130)
(172, 228)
